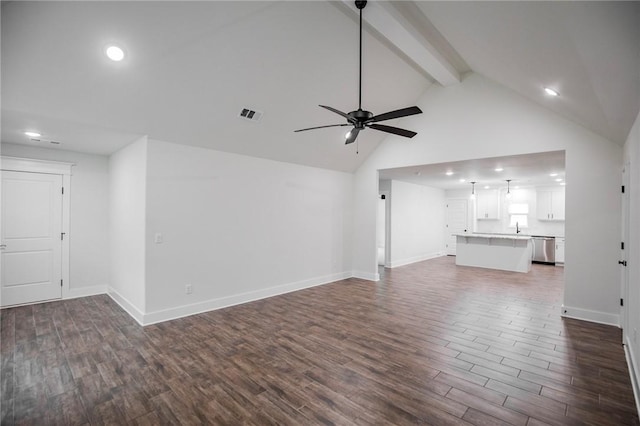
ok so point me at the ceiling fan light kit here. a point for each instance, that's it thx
(361, 119)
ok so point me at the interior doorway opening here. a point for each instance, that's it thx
(428, 204)
(382, 230)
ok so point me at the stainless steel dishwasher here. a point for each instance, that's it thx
(544, 250)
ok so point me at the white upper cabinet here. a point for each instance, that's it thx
(488, 204)
(550, 204)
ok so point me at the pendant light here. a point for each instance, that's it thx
(473, 190)
(508, 190)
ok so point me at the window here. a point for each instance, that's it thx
(519, 215)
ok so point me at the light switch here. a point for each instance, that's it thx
(158, 238)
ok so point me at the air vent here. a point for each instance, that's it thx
(40, 140)
(250, 114)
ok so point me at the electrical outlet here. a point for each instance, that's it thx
(188, 289)
(158, 238)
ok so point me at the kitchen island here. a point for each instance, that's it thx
(495, 251)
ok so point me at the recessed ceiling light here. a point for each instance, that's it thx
(549, 91)
(449, 173)
(563, 183)
(553, 174)
(499, 169)
(462, 180)
(558, 180)
(516, 187)
(32, 134)
(114, 53)
(487, 187)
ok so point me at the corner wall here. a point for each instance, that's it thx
(127, 212)
(238, 228)
(479, 118)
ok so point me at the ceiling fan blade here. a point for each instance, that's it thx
(394, 130)
(352, 135)
(322, 127)
(404, 112)
(344, 114)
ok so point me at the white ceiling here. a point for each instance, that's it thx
(523, 171)
(192, 66)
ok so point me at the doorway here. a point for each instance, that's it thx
(34, 223)
(382, 230)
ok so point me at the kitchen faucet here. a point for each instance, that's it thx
(518, 230)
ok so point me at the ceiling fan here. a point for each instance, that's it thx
(361, 119)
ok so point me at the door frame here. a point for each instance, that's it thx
(387, 227)
(28, 165)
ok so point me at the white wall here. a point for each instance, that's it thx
(632, 247)
(418, 216)
(127, 190)
(89, 215)
(479, 118)
(239, 228)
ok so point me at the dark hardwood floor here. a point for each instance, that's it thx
(430, 343)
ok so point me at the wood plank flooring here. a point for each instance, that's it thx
(430, 343)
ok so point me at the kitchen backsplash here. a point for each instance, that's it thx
(551, 229)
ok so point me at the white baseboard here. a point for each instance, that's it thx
(74, 293)
(592, 316)
(237, 299)
(415, 259)
(633, 374)
(134, 312)
(366, 276)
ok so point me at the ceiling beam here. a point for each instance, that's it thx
(390, 21)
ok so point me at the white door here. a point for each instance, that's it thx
(624, 291)
(31, 237)
(457, 221)
(557, 204)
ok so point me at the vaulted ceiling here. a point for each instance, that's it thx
(191, 67)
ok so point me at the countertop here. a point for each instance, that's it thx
(495, 236)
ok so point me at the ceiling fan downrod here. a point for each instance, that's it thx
(360, 4)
